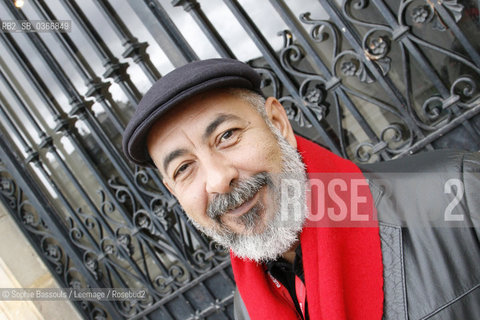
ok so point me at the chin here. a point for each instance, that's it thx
(257, 235)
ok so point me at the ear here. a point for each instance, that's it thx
(277, 115)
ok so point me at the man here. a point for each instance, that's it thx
(230, 157)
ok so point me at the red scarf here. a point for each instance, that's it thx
(342, 265)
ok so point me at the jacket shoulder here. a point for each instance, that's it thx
(425, 187)
(431, 161)
(429, 217)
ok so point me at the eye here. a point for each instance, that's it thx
(227, 135)
(181, 170)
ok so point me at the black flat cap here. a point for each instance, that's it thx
(175, 87)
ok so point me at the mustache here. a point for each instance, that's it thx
(241, 192)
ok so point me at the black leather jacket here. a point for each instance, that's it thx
(431, 266)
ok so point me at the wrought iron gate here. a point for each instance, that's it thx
(372, 80)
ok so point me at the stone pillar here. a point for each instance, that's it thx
(20, 267)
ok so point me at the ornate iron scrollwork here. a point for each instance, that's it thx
(392, 139)
(461, 92)
(311, 89)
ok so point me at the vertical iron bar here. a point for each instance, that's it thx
(80, 108)
(47, 97)
(452, 25)
(40, 200)
(47, 143)
(108, 59)
(133, 48)
(96, 87)
(193, 7)
(114, 69)
(171, 30)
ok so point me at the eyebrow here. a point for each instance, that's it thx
(221, 118)
(172, 156)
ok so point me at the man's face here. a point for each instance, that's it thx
(221, 160)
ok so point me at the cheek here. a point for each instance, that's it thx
(274, 156)
(194, 202)
(264, 154)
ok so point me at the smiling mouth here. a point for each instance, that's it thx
(246, 206)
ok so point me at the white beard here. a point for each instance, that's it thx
(279, 234)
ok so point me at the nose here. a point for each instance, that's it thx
(220, 173)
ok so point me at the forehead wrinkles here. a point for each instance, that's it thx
(173, 125)
(221, 100)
